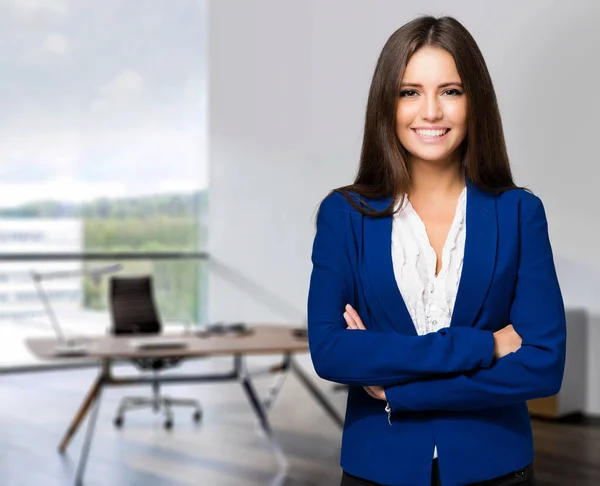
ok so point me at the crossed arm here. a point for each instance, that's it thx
(374, 357)
(506, 341)
(451, 369)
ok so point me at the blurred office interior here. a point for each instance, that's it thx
(193, 141)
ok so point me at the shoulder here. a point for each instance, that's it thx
(333, 212)
(523, 199)
(523, 204)
(351, 202)
(338, 201)
(334, 201)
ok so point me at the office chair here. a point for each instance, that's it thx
(134, 312)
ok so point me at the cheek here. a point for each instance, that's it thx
(457, 114)
(405, 116)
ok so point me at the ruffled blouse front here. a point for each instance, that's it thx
(429, 298)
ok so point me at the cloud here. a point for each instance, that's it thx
(124, 88)
(70, 189)
(64, 189)
(177, 186)
(76, 166)
(34, 7)
(45, 152)
(127, 82)
(55, 44)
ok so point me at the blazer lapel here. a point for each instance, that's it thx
(380, 270)
(480, 256)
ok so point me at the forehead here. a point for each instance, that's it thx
(431, 64)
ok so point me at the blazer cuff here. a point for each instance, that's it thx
(486, 344)
(394, 400)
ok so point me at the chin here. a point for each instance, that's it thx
(432, 155)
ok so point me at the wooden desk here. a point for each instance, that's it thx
(264, 340)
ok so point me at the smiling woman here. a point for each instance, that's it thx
(433, 293)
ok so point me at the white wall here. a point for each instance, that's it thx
(287, 92)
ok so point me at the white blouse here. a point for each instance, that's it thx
(429, 298)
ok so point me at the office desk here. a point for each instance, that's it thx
(264, 340)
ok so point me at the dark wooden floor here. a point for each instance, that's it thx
(225, 450)
(567, 453)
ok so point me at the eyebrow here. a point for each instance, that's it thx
(417, 85)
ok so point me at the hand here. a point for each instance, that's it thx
(506, 341)
(355, 323)
(376, 392)
(353, 320)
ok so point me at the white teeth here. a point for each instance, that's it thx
(431, 133)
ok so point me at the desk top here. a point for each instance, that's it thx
(265, 339)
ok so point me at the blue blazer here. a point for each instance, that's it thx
(445, 388)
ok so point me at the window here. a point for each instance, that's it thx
(103, 147)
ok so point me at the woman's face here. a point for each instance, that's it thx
(431, 112)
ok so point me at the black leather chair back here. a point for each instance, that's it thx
(132, 304)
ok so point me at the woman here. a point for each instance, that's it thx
(421, 269)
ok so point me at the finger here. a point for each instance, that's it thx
(350, 322)
(369, 391)
(379, 391)
(350, 310)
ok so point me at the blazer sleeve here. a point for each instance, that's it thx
(537, 314)
(373, 357)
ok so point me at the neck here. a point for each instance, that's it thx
(436, 179)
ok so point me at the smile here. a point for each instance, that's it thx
(431, 136)
(431, 133)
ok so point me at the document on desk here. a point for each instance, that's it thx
(158, 343)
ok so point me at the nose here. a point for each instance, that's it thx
(431, 109)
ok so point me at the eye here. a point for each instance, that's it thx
(408, 93)
(453, 92)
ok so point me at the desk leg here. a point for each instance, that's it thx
(316, 393)
(260, 412)
(277, 385)
(90, 398)
(89, 433)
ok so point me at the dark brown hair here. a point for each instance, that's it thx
(383, 169)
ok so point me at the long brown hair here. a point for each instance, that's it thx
(383, 171)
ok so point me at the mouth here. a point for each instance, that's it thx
(431, 135)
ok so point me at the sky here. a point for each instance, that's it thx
(101, 99)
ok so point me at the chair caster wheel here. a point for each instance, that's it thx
(197, 416)
(118, 422)
(168, 424)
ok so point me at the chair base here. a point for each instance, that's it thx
(156, 403)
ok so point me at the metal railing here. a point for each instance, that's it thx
(103, 256)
